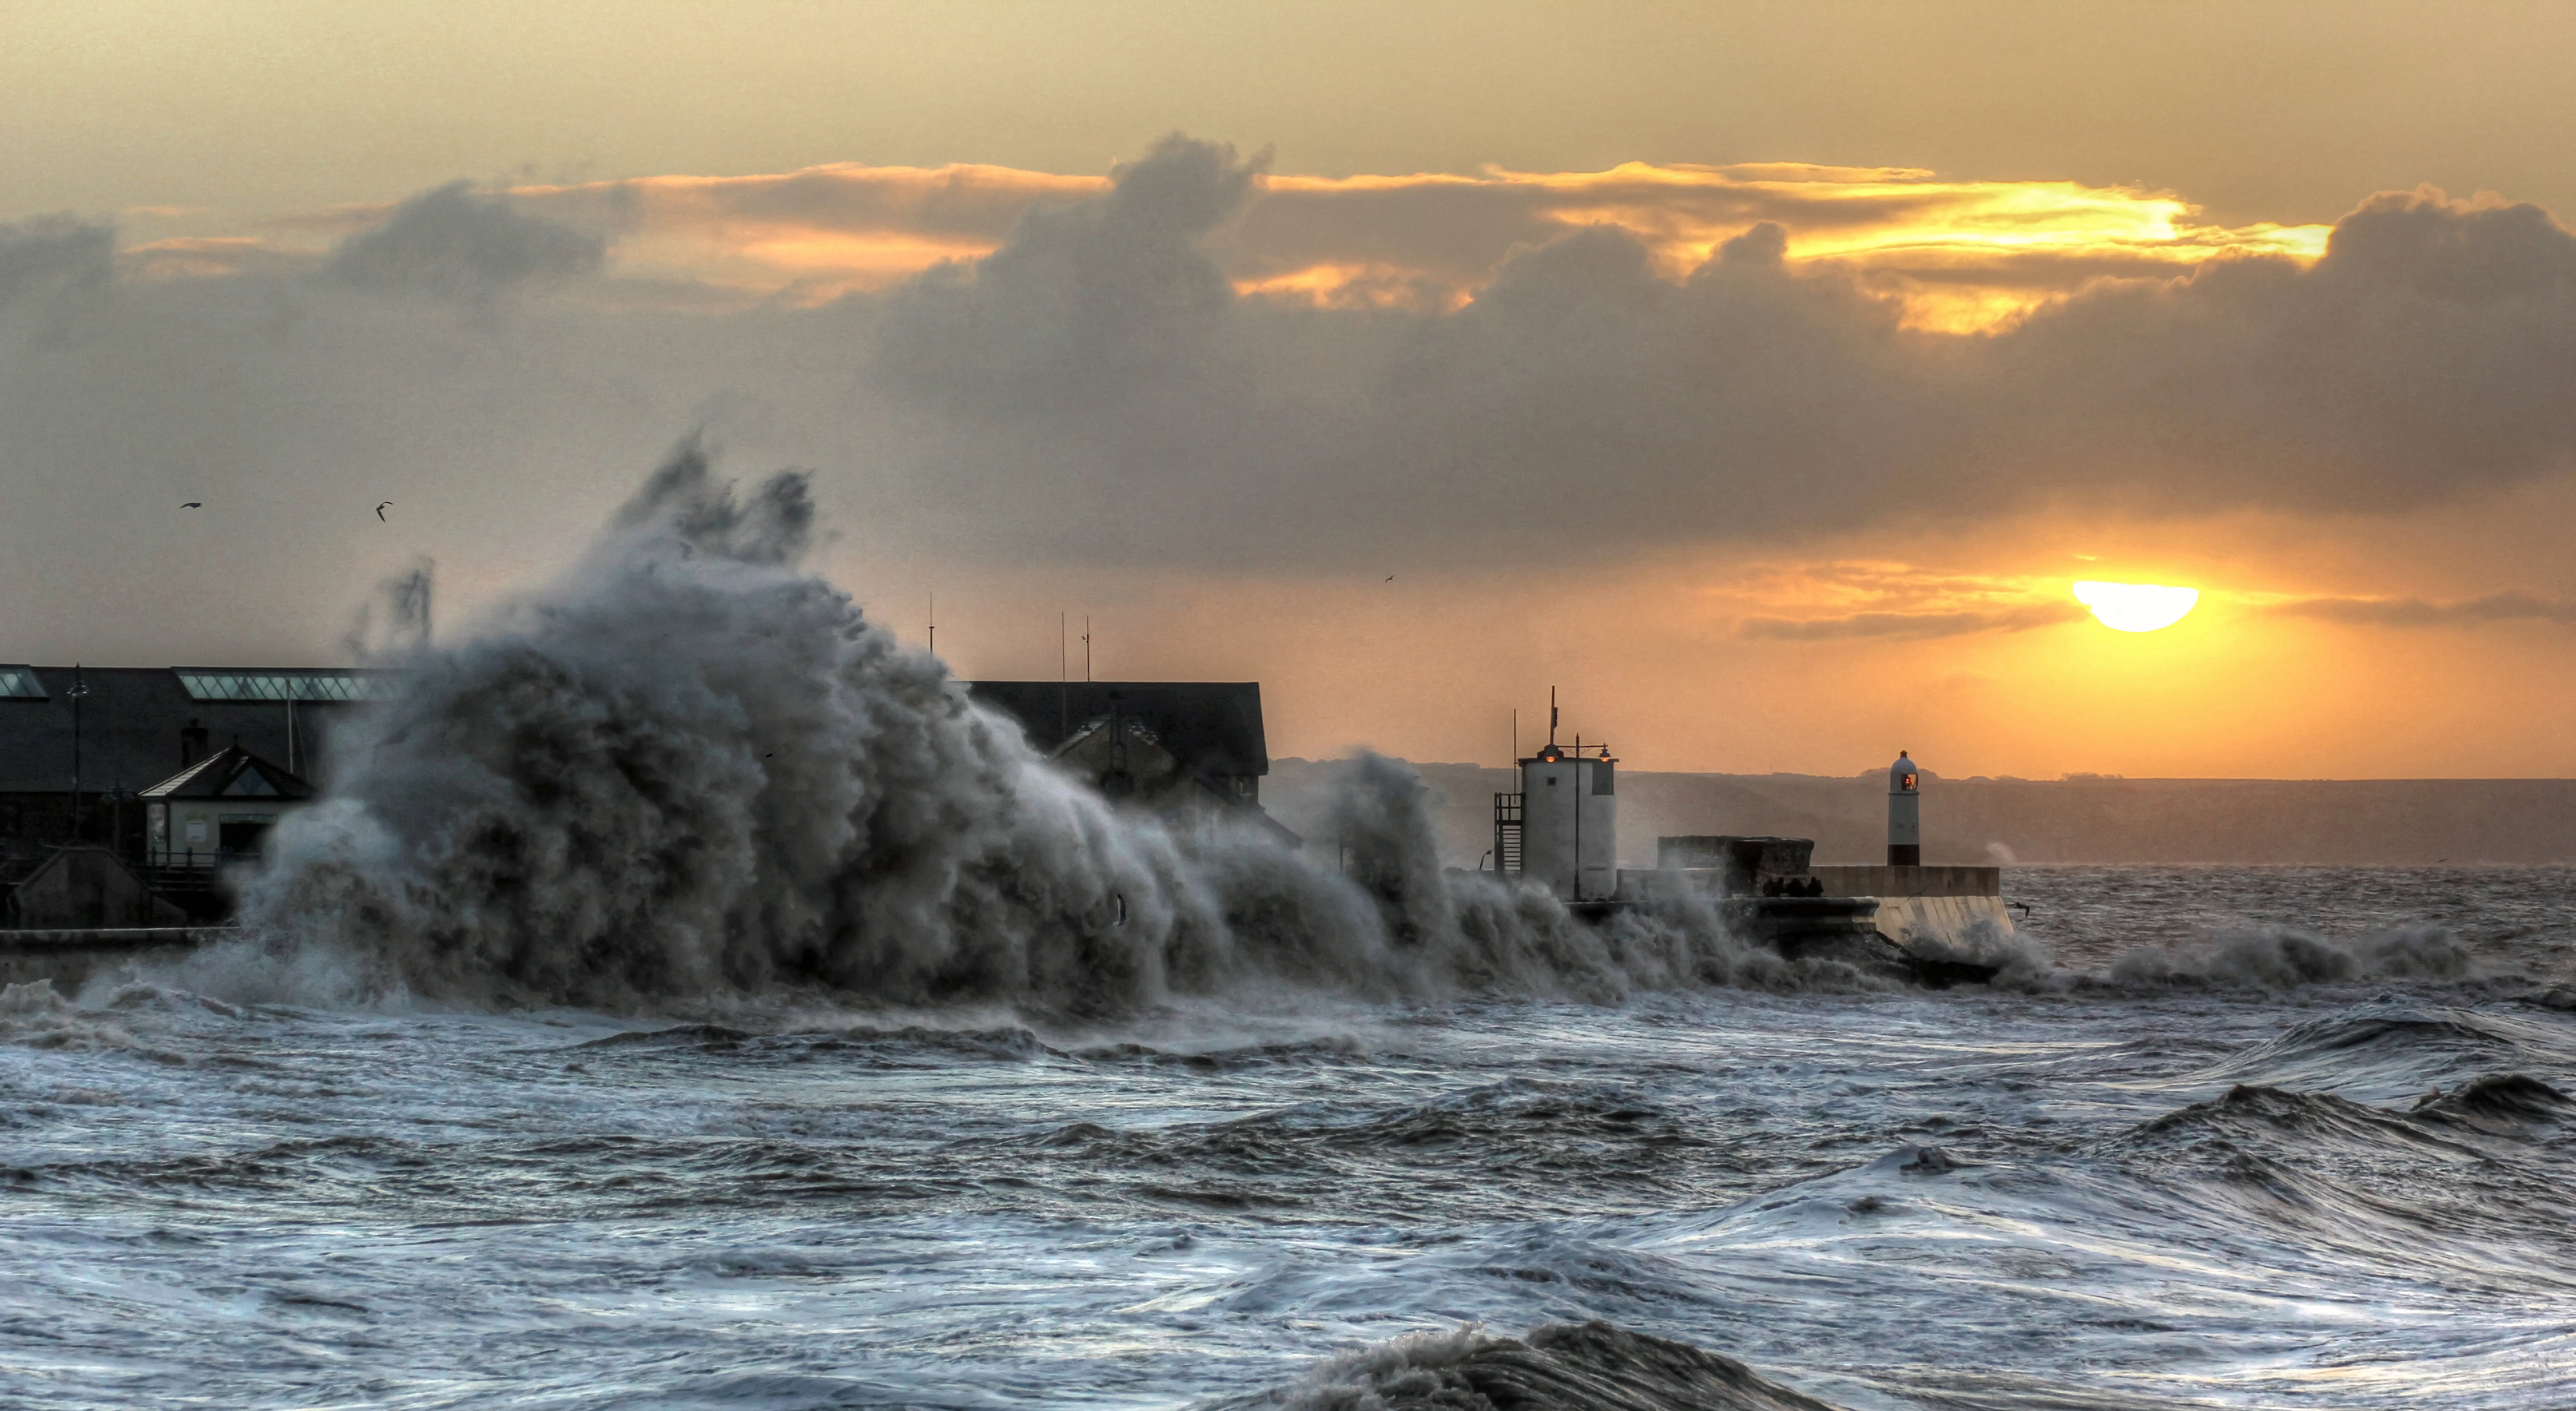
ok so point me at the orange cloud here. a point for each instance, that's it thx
(1956, 256)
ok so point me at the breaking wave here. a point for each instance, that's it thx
(692, 772)
(2282, 957)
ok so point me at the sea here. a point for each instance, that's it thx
(2234, 1137)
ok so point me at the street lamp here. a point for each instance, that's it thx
(79, 689)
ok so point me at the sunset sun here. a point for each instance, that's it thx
(2136, 607)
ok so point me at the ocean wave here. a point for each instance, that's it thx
(912, 1046)
(2312, 1120)
(1524, 1146)
(1330, 1051)
(1591, 1366)
(2397, 1049)
(691, 771)
(2285, 957)
(34, 1015)
(2514, 1105)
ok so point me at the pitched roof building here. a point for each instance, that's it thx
(1190, 751)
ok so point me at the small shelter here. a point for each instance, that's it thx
(218, 810)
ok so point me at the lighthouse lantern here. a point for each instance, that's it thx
(1904, 812)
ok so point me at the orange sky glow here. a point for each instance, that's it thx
(1846, 383)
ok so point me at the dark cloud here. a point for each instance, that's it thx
(453, 243)
(1583, 405)
(1909, 625)
(2419, 360)
(2418, 612)
(1083, 302)
(1765, 244)
(54, 255)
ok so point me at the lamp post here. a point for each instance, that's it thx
(79, 689)
(116, 798)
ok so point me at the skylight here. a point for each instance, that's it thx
(321, 684)
(20, 683)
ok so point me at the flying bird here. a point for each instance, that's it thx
(1390, 578)
(194, 505)
(380, 510)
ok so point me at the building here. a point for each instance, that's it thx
(77, 744)
(82, 747)
(218, 810)
(1562, 827)
(1190, 751)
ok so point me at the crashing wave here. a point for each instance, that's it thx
(691, 770)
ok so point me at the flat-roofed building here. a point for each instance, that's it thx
(119, 730)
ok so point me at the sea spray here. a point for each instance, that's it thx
(691, 769)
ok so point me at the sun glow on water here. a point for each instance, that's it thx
(2136, 607)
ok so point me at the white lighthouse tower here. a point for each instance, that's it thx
(1904, 812)
(1562, 828)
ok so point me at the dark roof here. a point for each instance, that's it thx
(230, 773)
(130, 724)
(1213, 727)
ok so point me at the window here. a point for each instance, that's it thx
(244, 837)
(20, 683)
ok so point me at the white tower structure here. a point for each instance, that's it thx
(1562, 828)
(1904, 812)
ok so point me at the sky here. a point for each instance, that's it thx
(1761, 377)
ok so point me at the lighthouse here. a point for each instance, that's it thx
(1904, 812)
(1562, 826)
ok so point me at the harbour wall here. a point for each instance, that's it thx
(2324, 822)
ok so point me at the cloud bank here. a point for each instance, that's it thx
(451, 242)
(2417, 612)
(1908, 626)
(1642, 361)
(1956, 254)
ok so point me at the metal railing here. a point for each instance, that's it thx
(190, 869)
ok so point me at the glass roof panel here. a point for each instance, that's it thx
(20, 683)
(322, 684)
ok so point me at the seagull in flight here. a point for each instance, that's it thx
(380, 510)
(194, 505)
(1390, 578)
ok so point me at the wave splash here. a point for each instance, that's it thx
(2283, 957)
(692, 770)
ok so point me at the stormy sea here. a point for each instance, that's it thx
(686, 999)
